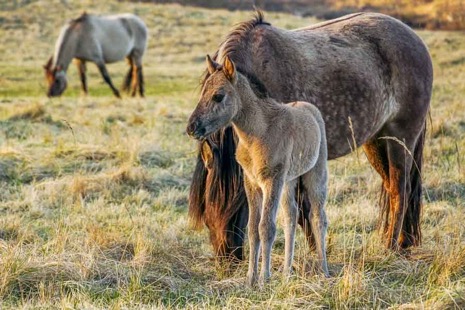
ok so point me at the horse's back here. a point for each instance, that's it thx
(115, 36)
(392, 41)
(364, 68)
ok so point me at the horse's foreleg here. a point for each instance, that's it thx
(254, 198)
(290, 221)
(106, 77)
(267, 228)
(316, 183)
(81, 64)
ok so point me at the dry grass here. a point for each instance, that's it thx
(94, 189)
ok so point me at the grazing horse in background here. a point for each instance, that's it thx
(371, 78)
(102, 40)
(278, 143)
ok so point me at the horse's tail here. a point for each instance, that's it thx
(197, 192)
(217, 195)
(411, 226)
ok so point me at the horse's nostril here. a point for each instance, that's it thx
(191, 128)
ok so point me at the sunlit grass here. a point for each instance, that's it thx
(93, 199)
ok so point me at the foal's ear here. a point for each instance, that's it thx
(229, 69)
(211, 65)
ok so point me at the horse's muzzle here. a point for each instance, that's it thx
(195, 131)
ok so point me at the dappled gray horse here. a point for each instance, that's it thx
(370, 76)
(102, 40)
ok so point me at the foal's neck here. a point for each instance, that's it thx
(255, 114)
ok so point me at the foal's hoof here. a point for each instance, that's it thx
(251, 280)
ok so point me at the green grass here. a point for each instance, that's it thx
(93, 199)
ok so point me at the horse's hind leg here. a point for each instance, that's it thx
(128, 78)
(81, 64)
(138, 78)
(403, 227)
(106, 77)
(316, 183)
(272, 190)
(376, 152)
(289, 206)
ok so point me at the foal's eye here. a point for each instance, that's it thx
(218, 97)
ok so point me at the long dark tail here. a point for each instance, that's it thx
(217, 196)
(411, 226)
(197, 192)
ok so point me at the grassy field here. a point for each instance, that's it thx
(93, 190)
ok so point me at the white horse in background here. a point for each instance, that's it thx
(102, 40)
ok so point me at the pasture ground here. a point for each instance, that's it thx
(93, 190)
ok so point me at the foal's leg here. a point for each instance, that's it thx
(106, 77)
(81, 64)
(254, 198)
(267, 229)
(289, 206)
(316, 183)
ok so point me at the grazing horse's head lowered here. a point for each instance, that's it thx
(219, 102)
(56, 78)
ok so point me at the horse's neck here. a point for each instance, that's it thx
(253, 117)
(65, 48)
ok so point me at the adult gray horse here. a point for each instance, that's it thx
(370, 76)
(101, 40)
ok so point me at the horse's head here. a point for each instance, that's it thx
(56, 78)
(219, 101)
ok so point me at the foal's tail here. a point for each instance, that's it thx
(304, 206)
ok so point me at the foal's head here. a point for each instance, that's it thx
(56, 78)
(219, 101)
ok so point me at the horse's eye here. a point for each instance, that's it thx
(218, 97)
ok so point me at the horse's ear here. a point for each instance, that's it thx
(229, 69)
(48, 65)
(211, 65)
